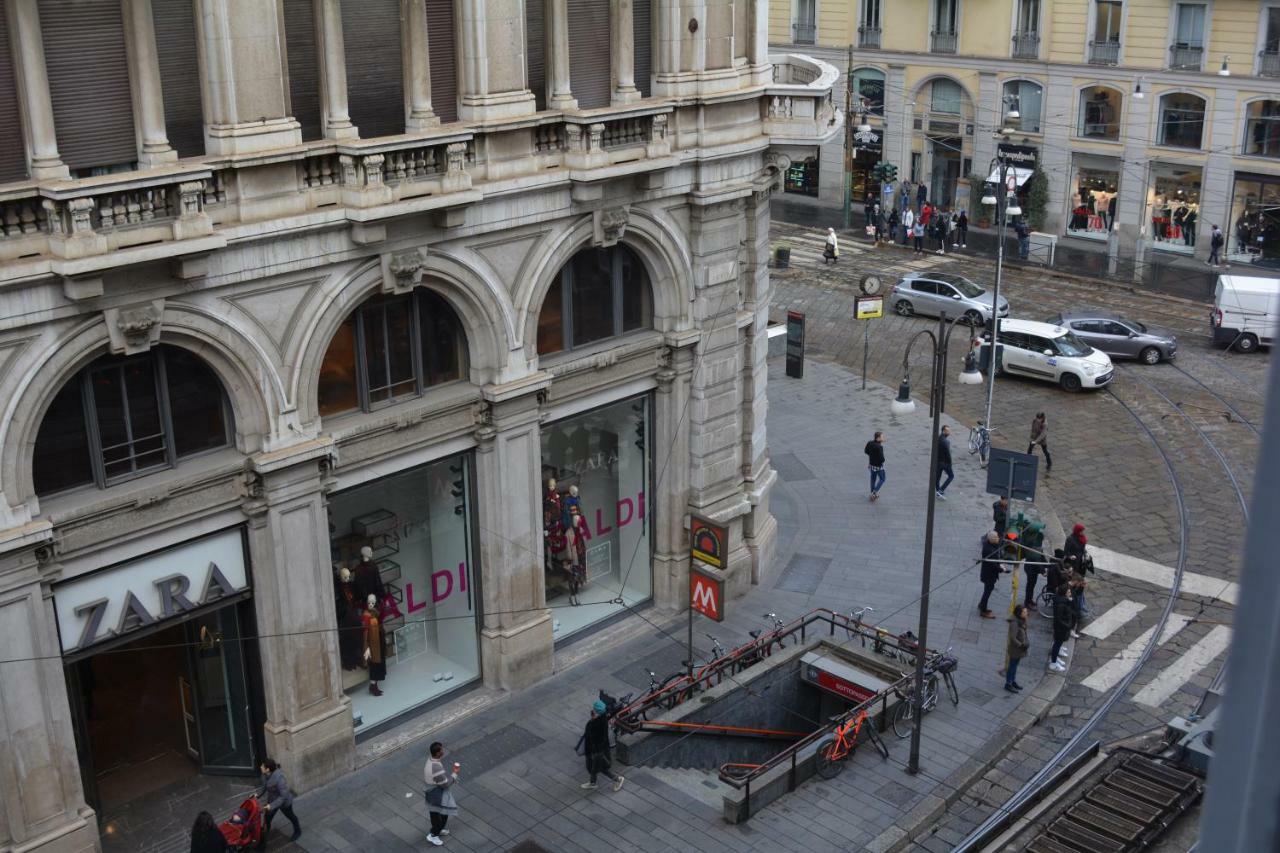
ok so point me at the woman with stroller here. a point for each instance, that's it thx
(275, 789)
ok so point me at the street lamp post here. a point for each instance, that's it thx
(905, 405)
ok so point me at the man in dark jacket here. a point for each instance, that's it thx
(596, 743)
(992, 551)
(1063, 616)
(875, 463)
(944, 464)
(1000, 514)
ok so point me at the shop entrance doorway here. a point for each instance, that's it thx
(945, 172)
(156, 714)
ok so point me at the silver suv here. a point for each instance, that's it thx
(935, 292)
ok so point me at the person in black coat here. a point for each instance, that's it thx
(206, 837)
(1000, 514)
(875, 463)
(944, 464)
(595, 740)
(1063, 615)
(992, 551)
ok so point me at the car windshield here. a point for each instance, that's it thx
(1070, 345)
(966, 287)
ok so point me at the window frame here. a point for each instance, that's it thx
(1082, 104)
(1249, 121)
(1018, 83)
(564, 277)
(859, 75)
(1161, 109)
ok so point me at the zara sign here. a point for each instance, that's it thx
(117, 601)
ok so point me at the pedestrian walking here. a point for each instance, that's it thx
(962, 225)
(917, 236)
(944, 463)
(939, 221)
(1215, 245)
(441, 804)
(992, 552)
(1040, 438)
(1024, 239)
(1000, 514)
(875, 463)
(831, 252)
(596, 742)
(1017, 647)
(206, 837)
(908, 225)
(1061, 628)
(275, 790)
(894, 221)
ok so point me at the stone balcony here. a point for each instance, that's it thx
(78, 229)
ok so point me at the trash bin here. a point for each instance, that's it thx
(984, 356)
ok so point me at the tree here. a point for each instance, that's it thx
(1037, 199)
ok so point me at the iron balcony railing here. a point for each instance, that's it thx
(1269, 63)
(1104, 53)
(1026, 46)
(806, 31)
(942, 42)
(869, 37)
(1186, 57)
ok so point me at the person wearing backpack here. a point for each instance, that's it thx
(595, 740)
(1215, 246)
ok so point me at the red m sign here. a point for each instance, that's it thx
(706, 595)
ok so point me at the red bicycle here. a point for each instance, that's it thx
(833, 751)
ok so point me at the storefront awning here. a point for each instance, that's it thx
(1023, 175)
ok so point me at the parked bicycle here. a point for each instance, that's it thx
(904, 714)
(834, 751)
(763, 644)
(980, 439)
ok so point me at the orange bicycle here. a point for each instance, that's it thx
(833, 751)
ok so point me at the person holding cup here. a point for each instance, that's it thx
(440, 801)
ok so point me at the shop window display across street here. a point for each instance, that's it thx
(597, 511)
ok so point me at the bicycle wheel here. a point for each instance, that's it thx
(1044, 604)
(975, 440)
(673, 698)
(930, 694)
(952, 692)
(827, 765)
(877, 741)
(902, 718)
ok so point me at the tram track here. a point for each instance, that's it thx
(1225, 403)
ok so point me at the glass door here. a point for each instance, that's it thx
(221, 702)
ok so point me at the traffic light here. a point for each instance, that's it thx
(889, 174)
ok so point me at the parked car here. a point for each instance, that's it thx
(1049, 352)
(932, 293)
(1245, 311)
(1117, 336)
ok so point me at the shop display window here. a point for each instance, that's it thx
(1262, 129)
(1254, 233)
(406, 540)
(1175, 208)
(596, 513)
(1093, 203)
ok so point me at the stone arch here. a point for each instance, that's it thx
(653, 238)
(485, 312)
(926, 86)
(1158, 116)
(1079, 103)
(247, 376)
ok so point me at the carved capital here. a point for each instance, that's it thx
(456, 154)
(81, 210)
(190, 199)
(608, 226)
(658, 129)
(373, 166)
(573, 137)
(402, 271)
(134, 329)
(347, 166)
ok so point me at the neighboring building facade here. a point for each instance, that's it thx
(1195, 142)
(304, 302)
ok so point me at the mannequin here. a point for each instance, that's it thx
(349, 611)
(575, 552)
(375, 645)
(571, 500)
(552, 497)
(368, 578)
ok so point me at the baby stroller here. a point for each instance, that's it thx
(243, 829)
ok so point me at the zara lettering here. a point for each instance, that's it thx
(174, 600)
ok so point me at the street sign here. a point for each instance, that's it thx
(1013, 474)
(708, 541)
(795, 344)
(706, 595)
(870, 307)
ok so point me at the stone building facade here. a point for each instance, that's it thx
(1134, 110)
(306, 301)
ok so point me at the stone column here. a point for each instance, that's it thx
(516, 642)
(1133, 165)
(622, 50)
(899, 116)
(333, 72)
(758, 50)
(33, 90)
(144, 77)
(41, 796)
(1216, 182)
(419, 114)
(245, 99)
(308, 728)
(492, 84)
(671, 491)
(1055, 151)
(557, 22)
(987, 113)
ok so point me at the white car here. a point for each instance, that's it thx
(1052, 353)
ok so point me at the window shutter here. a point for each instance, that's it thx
(375, 66)
(589, 68)
(175, 25)
(304, 66)
(642, 27)
(13, 158)
(535, 46)
(84, 52)
(442, 56)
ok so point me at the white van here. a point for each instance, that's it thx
(1245, 311)
(1049, 352)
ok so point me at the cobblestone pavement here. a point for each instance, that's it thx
(1108, 474)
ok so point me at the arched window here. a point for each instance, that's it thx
(946, 96)
(1181, 120)
(869, 84)
(600, 293)
(1099, 113)
(390, 348)
(119, 418)
(1029, 97)
(1262, 129)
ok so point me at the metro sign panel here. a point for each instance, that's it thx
(706, 595)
